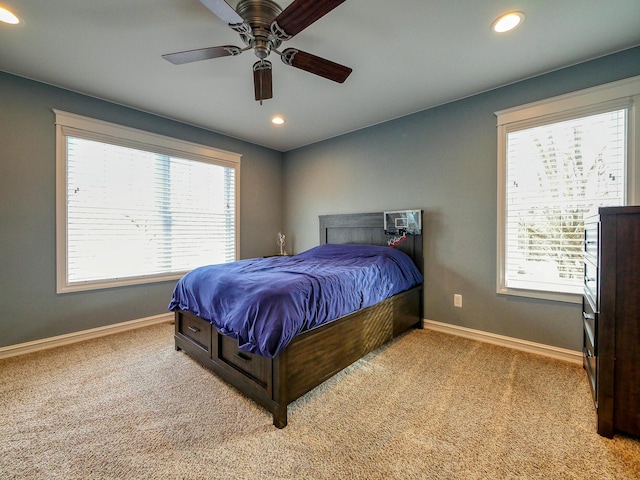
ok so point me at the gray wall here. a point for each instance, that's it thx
(30, 307)
(444, 161)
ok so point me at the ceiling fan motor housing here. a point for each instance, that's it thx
(259, 14)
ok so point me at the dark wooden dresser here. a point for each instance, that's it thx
(611, 315)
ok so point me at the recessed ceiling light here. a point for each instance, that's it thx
(507, 22)
(8, 17)
(277, 120)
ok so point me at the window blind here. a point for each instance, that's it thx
(133, 213)
(556, 172)
(136, 207)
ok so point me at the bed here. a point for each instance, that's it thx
(276, 376)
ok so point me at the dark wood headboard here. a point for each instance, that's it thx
(368, 229)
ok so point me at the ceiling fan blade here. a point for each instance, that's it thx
(316, 65)
(199, 54)
(262, 80)
(299, 15)
(223, 10)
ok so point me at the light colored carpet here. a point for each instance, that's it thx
(427, 406)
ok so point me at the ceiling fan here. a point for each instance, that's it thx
(263, 26)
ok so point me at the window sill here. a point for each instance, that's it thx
(541, 295)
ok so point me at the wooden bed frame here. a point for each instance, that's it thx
(315, 355)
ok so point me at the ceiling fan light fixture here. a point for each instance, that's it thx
(8, 16)
(507, 22)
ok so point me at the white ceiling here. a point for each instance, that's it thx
(406, 55)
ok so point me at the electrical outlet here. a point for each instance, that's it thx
(457, 300)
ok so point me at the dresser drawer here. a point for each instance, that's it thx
(591, 282)
(591, 240)
(257, 367)
(590, 321)
(590, 363)
(195, 329)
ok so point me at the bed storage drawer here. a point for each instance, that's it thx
(195, 329)
(255, 366)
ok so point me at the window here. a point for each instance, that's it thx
(135, 207)
(557, 160)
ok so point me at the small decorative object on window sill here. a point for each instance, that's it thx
(281, 238)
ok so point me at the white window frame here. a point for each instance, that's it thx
(584, 102)
(70, 124)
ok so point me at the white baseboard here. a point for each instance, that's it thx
(510, 342)
(515, 343)
(60, 340)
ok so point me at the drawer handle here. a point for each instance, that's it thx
(242, 356)
(193, 329)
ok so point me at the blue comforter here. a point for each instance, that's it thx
(266, 302)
